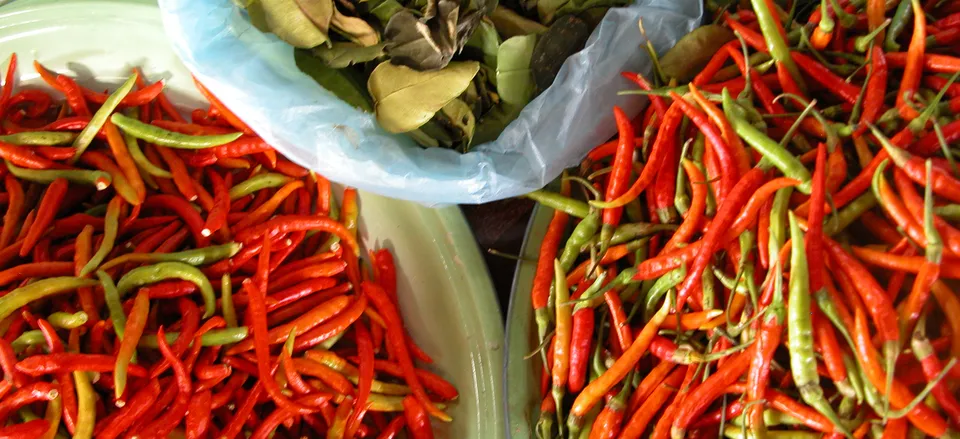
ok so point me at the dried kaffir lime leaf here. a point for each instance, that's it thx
(405, 98)
(692, 53)
(285, 19)
(565, 37)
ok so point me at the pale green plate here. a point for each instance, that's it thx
(445, 291)
(521, 375)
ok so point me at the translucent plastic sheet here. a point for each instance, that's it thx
(254, 74)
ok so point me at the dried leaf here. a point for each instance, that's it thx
(515, 82)
(694, 51)
(320, 12)
(577, 7)
(386, 9)
(340, 82)
(257, 16)
(511, 24)
(415, 43)
(565, 37)
(405, 98)
(355, 29)
(343, 54)
(285, 19)
(460, 115)
(494, 121)
(487, 41)
(429, 43)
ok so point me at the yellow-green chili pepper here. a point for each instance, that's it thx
(170, 139)
(39, 138)
(99, 179)
(99, 118)
(40, 289)
(195, 257)
(111, 225)
(257, 183)
(151, 274)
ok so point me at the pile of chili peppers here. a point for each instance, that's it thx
(169, 278)
(771, 249)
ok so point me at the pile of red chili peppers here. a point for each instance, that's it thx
(169, 278)
(770, 250)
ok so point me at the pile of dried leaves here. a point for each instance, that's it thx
(448, 73)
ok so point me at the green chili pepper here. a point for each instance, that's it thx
(257, 183)
(849, 213)
(330, 342)
(214, 337)
(782, 158)
(170, 139)
(733, 284)
(660, 288)
(333, 239)
(630, 232)
(681, 198)
(99, 179)
(114, 306)
(634, 211)
(195, 257)
(86, 406)
(52, 415)
(862, 43)
(39, 138)
(99, 118)
(901, 18)
(111, 224)
(98, 210)
(556, 201)
(170, 270)
(29, 338)
(853, 373)
(739, 432)
(66, 320)
(591, 297)
(949, 212)
(226, 301)
(597, 366)
(585, 230)
(12, 301)
(137, 154)
(778, 220)
(803, 360)
(709, 294)
(833, 138)
(771, 417)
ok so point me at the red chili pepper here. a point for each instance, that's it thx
(642, 416)
(25, 395)
(825, 77)
(45, 214)
(913, 71)
(8, 79)
(74, 95)
(725, 217)
(622, 168)
(224, 112)
(703, 395)
(395, 337)
(418, 423)
(658, 154)
(138, 404)
(34, 428)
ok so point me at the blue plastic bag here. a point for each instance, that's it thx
(254, 74)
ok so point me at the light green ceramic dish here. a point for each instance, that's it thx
(521, 375)
(446, 295)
